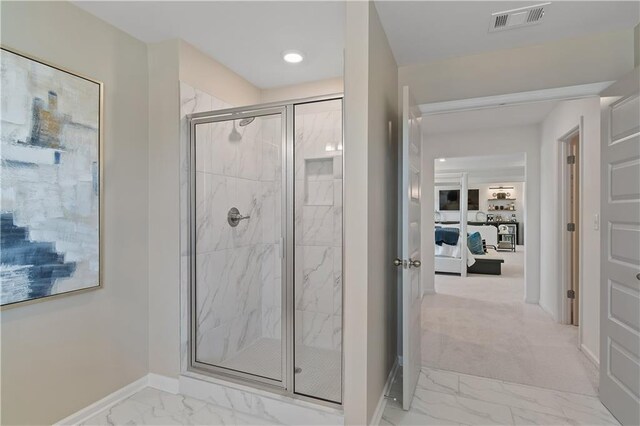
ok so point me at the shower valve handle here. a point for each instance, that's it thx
(234, 217)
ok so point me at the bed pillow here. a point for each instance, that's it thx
(474, 241)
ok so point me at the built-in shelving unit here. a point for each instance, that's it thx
(494, 205)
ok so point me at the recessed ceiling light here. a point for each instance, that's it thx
(442, 160)
(293, 56)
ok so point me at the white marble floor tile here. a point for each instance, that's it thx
(585, 410)
(459, 410)
(129, 412)
(153, 407)
(445, 397)
(396, 416)
(529, 398)
(438, 380)
(178, 405)
(214, 415)
(528, 417)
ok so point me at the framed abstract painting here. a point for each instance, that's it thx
(50, 180)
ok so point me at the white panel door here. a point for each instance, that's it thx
(620, 259)
(410, 256)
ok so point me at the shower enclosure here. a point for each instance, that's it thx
(265, 274)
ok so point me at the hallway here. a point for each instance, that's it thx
(480, 326)
(489, 358)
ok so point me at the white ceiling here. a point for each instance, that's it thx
(480, 162)
(248, 37)
(488, 118)
(422, 31)
(487, 168)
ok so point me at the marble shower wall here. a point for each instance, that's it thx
(318, 224)
(238, 272)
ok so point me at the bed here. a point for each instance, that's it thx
(448, 251)
(452, 254)
(449, 256)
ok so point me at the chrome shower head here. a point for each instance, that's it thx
(246, 121)
(235, 135)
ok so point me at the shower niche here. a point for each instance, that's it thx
(265, 246)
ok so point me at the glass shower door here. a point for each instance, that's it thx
(318, 249)
(237, 245)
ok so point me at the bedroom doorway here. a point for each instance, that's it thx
(484, 198)
(475, 312)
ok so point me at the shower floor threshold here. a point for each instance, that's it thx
(319, 369)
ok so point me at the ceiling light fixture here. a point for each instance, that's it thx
(293, 56)
(442, 160)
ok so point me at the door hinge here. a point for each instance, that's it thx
(571, 159)
(571, 227)
(571, 294)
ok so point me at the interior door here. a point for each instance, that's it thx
(620, 258)
(410, 256)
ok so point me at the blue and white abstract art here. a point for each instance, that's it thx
(49, 180)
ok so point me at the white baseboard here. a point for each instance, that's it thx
(382, 402)
(590, 355)
(163, 383)
(108, 401)
(155, 381)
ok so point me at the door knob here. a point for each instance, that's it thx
(398, 262)
(415, 263)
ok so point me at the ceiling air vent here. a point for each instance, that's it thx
(516, 18)
(500, 21)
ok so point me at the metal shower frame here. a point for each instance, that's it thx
(285, 386)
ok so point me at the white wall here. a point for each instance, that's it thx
(60, 355)
(504, 140)
(356, 130)
(588, 59)
(382, 210)
(205, 73)
(371, 105)
(163, 210)
(562, 119)
(636, 46)
(298, 91)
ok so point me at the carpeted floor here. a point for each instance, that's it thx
(480, 325)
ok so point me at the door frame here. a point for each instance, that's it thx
(564, 303)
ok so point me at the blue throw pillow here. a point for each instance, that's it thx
(475, 243)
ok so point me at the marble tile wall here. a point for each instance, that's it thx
(318, 224)
(238, 272)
